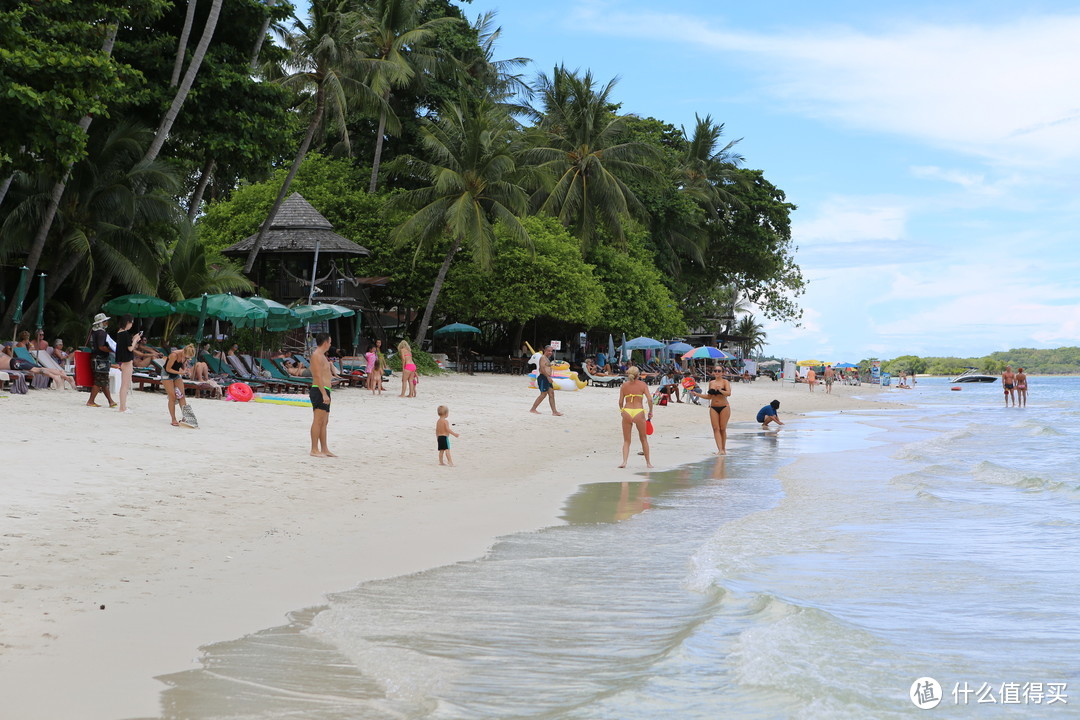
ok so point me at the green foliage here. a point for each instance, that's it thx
(1035, 361)
(335, 189)
(53, 71)
(637, 301)
(550, 281)
(425, 364)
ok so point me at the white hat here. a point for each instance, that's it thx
(101, 319)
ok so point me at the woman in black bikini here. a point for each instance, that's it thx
(174, 382)
(719, 410)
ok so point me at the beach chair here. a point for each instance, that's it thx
(241, 372)
(37, 380)
(603, 380)
(225, 370)
(277, 373)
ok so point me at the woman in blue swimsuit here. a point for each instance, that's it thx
(719, 410)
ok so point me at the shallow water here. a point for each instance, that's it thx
(815, 573)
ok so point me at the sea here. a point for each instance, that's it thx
(869, 564)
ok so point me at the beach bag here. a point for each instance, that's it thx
(663, 399)
(99, 363)
(188, 419)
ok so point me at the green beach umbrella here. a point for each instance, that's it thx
(202, 319)
(322, 311)
(41, 302)
(20, 292)
(140, 306)
(356, 335)
(224, 306)
(278, 317)
(456, 330)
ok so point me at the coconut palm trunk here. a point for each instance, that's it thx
(196, 197)
(181, 46)
(425, 322)
(57, 192)
(379, 137)
(4, 187)
(185, 85)
(313, 126)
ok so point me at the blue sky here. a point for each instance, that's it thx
(932, 149)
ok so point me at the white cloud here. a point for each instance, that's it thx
(850, 219)
(1004, 91)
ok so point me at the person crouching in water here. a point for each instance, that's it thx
(767, 415)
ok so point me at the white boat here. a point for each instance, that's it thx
(972, 375)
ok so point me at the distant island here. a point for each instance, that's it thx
(1057, 361)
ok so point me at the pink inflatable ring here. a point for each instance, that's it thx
(240, 392)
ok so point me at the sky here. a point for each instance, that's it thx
(931, 147)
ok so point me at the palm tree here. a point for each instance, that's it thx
(184, 89)
(326, 62)
(394, 34)
(705, 173)
(583, 167)
(470, 174)
(498, 78)
(187, 273)
(752, 335)
(103, 228)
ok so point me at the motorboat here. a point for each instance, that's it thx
(972, 375)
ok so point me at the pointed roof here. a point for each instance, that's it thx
(296, 229)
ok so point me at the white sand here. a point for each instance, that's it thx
(188, 537)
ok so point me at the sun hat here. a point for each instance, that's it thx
(101, 318)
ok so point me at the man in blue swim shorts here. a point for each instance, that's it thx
(544, 382)
(768, 415)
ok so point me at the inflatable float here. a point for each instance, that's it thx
(562, 377)
(294, 400)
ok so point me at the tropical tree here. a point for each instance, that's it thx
(109, 222)
(705, 173)
(329, 68)
(583, 168)
(188, 273)
(752, 335)
(469, 184)
(394, 34)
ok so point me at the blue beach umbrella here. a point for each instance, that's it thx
(623, 353)
(845, 366)
(643, 343)
(680, 347)
(610, 347)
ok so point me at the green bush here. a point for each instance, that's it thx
(425, 364)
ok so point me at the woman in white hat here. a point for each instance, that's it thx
(99, 360)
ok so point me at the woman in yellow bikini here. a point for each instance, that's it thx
(632, 397)
(719, 410)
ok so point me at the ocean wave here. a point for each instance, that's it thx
(993, 474)
(810, 655)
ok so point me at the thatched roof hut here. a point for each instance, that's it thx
(296, 230)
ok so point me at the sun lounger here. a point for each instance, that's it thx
(279, 375)
(225, 370)
(37, 380)
(242, 374)
(603, 380)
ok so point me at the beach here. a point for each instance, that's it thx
(127, 544)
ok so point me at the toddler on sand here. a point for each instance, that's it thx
(442, 434)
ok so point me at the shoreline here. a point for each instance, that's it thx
(218, 533)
